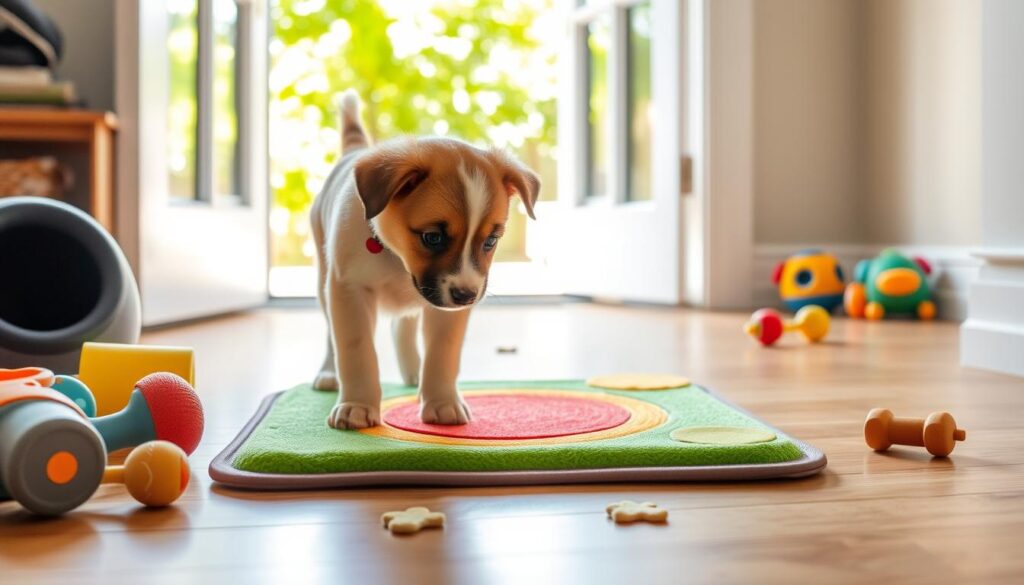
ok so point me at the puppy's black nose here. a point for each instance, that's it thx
(462, 296)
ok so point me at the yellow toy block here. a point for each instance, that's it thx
(110, 370)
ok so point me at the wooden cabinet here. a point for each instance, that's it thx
(92, 130)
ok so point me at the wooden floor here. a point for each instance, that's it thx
(894, 518)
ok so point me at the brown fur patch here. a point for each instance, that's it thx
(436, 202)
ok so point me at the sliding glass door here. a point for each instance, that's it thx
(623, 170)
(198, 86)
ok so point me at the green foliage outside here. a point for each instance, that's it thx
(183, 50)
(480, 70)
(182, 105)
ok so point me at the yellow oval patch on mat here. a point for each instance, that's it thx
(638, 381)
(722, 435)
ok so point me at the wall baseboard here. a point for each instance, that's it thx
(955, 269)
(988, 346)
(992, 337)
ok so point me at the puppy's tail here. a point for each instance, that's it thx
(353, 136)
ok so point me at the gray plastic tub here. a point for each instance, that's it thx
(63, 281)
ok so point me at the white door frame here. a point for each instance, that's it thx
(715, 62)
(197, 259)
(605, 246)
(718, 216)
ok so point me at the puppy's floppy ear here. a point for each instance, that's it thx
(386, 174)
(518, 180)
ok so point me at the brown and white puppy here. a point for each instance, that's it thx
(407, 227)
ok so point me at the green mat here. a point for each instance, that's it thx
(288, 445)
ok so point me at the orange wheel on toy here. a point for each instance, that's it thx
(874, 311)
(926, 310)
(540, 417)
(854, 300)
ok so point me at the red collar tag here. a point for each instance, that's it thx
(374, 246)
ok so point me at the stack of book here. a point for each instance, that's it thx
(27, 85)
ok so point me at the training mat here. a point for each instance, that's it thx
(521, 433)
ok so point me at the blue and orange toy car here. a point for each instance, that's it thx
(810, 277)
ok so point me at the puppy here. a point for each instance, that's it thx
(407, 227)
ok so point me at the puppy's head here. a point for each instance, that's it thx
(441, 206)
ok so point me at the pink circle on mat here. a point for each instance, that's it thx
(517, 416)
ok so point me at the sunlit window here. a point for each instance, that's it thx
(638, 167)
(598, 39)
(203, 100)
(225, 97)
(480, 70)
(183, 56)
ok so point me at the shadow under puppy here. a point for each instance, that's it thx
(407, 227)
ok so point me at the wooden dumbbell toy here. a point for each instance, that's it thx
(937, 433)
(767, 326)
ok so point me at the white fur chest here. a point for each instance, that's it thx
(352, 264)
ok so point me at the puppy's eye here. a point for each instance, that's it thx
(490, 243)
(433, 241)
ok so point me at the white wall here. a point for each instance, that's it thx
(993, 335)
(808, 134)
(867, 122)
(923, 140)
(1003, 199)
(88, 28)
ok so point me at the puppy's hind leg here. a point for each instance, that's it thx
(327, 377)
(404, 330)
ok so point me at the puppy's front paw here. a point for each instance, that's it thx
(353, 415)
(445, 412)
(326, 380)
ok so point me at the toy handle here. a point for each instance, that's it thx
(131, 427)
(113, 474)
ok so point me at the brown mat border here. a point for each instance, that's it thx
(221, 470)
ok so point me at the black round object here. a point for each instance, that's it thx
(58, 279)
(62, 278)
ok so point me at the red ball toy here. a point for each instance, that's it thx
(162, 406)
(766, 326)
(177, 412)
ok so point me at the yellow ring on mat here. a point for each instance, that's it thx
(642, 416)
(638, 381)
(721, 435)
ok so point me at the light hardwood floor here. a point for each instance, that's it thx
(897, 517)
